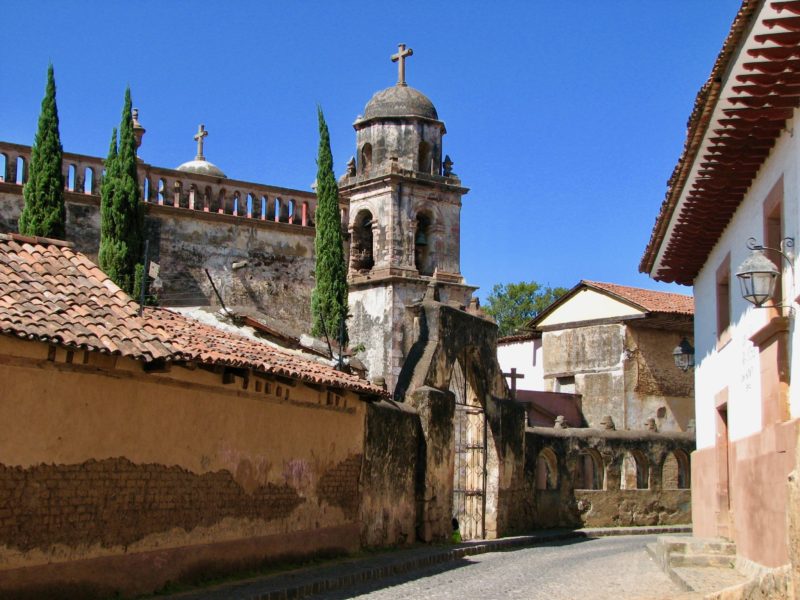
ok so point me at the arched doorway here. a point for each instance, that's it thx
(470, 444)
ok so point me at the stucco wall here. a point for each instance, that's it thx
(526, 358)
(588, 305)
(99, 460)
(730, 370)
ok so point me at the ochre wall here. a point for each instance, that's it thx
(103, 462)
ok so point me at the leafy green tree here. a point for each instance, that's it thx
(329, 298)
(512, 305)
(121, 212)
(44, 213)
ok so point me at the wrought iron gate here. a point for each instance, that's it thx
(469, 474)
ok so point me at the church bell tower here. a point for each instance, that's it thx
(403, 220)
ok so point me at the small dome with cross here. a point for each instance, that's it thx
(200, 165)
(400, 101)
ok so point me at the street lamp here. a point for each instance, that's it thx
(683, 355)
(758, 274)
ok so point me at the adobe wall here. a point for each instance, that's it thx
(389, 476)
(277, 279)
(123, 480)
(565, 505)
(654, 387)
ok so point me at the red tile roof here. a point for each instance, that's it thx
(51, 293)
(210, 345)
(648, 300)
(728, 145)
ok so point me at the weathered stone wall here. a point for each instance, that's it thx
(563, 503)
(164, 476)
(594, 356)
(277, 280)
(389, 486)
(654, 387)
(624, 370)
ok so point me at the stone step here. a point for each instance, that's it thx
(704, 546)
(701, 560)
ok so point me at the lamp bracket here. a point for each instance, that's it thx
(786, 244)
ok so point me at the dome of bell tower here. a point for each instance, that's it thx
(399, 101)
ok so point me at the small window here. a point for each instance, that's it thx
(366, 158)
(565, 385)
(361, 247)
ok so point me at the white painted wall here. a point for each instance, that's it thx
(736, 365)
(526, 358)
(587, 305)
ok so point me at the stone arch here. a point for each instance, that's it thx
(362, 256)
(589, 470)
(423, 243)
(290, 210)
(675, 474)
(221, 200)
(278, 203)
(146, 190)
(424, 157)
(3, 166)
(547, 470)
(72, 175)
(88, 180)
(193, 197)
(177, 194)
(365, 156)
(21, 175)
(236, 203)
(264, 208)
(635, 471)
(252, 205)
(208, 199)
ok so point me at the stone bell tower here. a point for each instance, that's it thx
(404, 221)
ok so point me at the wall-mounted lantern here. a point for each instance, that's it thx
(683, 355)
(758, 274)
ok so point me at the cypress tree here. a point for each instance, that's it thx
(121, 212)
(329, 298)
(44, 213)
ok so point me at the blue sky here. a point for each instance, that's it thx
(564, 118)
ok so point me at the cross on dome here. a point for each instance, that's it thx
(400, 59)
(201, 133)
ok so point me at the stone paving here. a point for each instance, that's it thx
(563, 564)
(593, 569)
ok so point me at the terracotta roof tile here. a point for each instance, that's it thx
(210, 345)
(51, 293)
(649, 300)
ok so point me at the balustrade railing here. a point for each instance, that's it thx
(179, 189)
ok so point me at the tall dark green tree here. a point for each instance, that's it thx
(121, 212)
(329, 299)
(44, 213)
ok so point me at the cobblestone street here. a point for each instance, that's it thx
(596, 569)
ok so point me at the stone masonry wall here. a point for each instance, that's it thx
(558, 496)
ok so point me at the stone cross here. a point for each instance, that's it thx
(400, 59)
(513, 376)
(201, 133)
